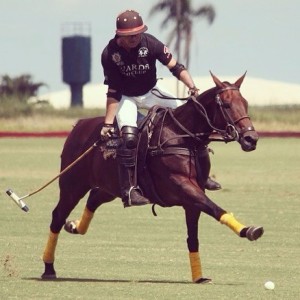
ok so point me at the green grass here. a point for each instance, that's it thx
(29, 118)
(130, 254)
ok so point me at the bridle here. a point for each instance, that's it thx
(231, 132)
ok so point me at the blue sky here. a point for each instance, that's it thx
(261, 37)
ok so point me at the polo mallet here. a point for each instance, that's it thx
(19, 200)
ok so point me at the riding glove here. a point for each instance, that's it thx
(194, 91)
(107, 131)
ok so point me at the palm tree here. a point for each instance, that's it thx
(181, 13)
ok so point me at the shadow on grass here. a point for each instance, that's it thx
(70, 279)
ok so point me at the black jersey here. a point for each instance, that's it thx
(133, 73)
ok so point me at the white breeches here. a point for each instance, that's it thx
(128, 107)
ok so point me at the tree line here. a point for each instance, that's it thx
(19, 88)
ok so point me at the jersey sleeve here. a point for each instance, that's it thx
(163, 53)
(111, 74)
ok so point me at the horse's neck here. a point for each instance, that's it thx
(186, 116)
(190, 116)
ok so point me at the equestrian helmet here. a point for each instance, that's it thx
(130, 22)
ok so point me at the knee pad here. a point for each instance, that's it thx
(130, 136)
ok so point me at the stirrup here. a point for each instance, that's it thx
(129, 192)
(137, 202)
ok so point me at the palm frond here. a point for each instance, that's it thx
(207, 11)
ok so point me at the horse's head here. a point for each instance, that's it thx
(231, 117)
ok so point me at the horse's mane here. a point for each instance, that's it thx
(206, 93)
(213, 89)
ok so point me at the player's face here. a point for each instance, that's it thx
(131, 41)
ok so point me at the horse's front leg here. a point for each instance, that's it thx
(192, 219)
(197, 199)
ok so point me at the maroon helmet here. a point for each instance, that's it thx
(130, 22)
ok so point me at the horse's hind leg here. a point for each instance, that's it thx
(69, 198)
(95, 199)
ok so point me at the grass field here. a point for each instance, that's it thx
(130, 254)
(265, 118)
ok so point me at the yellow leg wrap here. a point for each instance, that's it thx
(230, 221)
(85, 221)
(49, 251)
(195, 266)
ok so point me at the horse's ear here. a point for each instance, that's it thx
(216, 80)
(239, 82)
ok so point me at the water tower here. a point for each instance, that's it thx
(76, 58)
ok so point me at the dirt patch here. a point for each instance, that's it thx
(9, 266)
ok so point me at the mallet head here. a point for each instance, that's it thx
(17, 200)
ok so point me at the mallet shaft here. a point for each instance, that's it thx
(63, 171)
(18, 200)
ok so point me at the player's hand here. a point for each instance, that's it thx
(194, 91)
(107, 131)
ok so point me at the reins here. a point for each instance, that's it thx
(231, 133)
(203, 112)
(160, 95)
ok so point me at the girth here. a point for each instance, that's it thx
(173, 150)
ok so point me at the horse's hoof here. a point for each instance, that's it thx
(203, 280)
(70, 227)
(49, 272)
(254, 233)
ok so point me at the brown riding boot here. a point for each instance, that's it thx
(131, 196)
(204, 161)
(212, 185)
(136, 198)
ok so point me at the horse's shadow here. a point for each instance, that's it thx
(71, 279)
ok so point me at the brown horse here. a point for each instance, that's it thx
(171, 166)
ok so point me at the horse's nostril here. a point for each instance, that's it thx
(251, 139)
